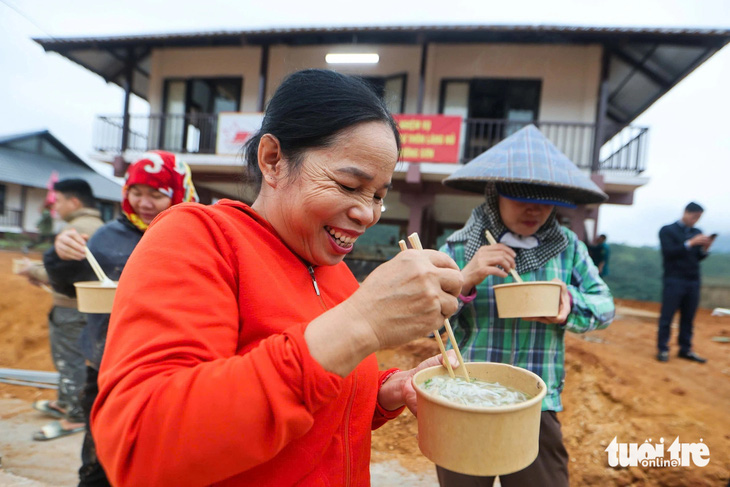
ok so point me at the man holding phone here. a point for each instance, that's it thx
(683, 247)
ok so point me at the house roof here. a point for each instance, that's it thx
(28, 159)
(643, 63)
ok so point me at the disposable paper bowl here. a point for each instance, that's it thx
(481, 441)
(93, 297)
(527, 299)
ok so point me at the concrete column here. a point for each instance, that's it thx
(418, 203)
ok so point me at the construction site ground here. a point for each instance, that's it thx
(614, 387)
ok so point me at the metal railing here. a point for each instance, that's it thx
(625, 151)
(10, 218)
(192, 133)
(196, 133)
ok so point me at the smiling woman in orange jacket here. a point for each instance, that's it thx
(240, 350)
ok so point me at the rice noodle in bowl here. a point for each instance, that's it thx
(476, 392)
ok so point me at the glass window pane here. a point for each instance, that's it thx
(175, 102)
(456, 98)
(394, 87)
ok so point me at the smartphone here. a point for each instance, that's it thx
(713, 236)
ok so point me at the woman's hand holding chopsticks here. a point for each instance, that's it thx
(494, 260)
(405, 298)
(409, 296)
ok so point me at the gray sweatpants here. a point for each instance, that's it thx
(65, 325)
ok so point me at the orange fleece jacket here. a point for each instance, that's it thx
(206, 376)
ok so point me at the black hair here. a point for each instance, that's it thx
(309, 110)
(693, 208)
(76, 188)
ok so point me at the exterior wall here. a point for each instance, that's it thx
(569, 73)
(34, 199)
(284, 60)
(34, 204)
(184, 63)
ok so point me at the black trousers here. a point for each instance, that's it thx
(682, 295)
(550, 468)
(91, 473)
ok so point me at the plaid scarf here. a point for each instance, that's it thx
(486, 217)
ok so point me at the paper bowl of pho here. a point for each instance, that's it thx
(488, 426)
(95, 296)
(527, 299)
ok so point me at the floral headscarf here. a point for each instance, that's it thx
(162, 171)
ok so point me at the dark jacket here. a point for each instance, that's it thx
(679, 261)
(112, 245)
(85, 221)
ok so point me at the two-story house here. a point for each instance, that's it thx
(582, 86)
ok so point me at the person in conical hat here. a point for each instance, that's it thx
(524, 178)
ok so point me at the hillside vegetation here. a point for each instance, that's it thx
(636, 272)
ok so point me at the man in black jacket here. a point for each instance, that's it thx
(683, 247)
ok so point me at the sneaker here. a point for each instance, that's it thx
(693, 357)
(663, 356)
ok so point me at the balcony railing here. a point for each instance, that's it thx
(625, 151)
(196, 133)
(10, 218)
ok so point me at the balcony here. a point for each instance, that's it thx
(624, 152)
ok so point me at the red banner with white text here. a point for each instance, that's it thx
(429, 138)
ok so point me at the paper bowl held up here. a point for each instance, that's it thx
(527, 299)
(95, 296)
(481, 440)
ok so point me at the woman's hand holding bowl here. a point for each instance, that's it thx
(563, 311)
(398, 389)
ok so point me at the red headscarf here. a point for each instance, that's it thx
(164, 172)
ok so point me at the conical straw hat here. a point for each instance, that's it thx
(528, 157)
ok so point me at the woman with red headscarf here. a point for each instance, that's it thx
(154, 183)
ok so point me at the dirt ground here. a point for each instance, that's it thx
(614, 388)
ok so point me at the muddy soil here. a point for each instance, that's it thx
(614, 388)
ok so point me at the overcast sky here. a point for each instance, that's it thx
(689, 138)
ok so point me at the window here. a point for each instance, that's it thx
(2, 199)
(190, 109)
(392, 89)
(497, 107)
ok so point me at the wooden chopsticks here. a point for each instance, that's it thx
(416, 244)
(436, 333)
(96, 267)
